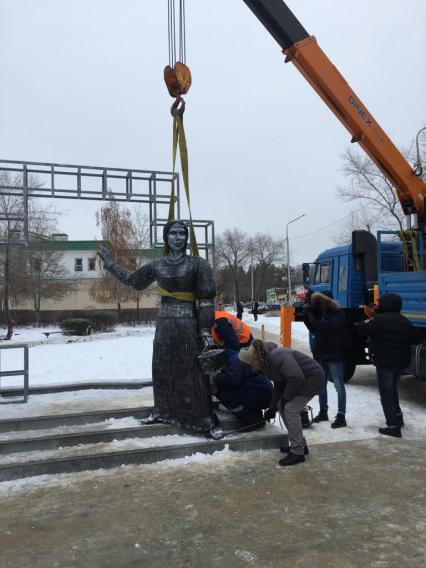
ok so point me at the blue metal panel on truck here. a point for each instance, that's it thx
(411, 286)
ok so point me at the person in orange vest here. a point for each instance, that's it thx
(230, 332)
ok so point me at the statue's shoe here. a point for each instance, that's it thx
(215, 433)
(151, 420)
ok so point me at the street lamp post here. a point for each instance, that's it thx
(288, 257)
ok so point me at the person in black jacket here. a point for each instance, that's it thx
(242, 391)
(390, 335)
(255, 308)
(240, 310)
(326, 321)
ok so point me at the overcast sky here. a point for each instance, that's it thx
(81, 82)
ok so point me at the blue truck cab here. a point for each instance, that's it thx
(342, 271)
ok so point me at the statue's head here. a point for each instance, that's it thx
(175, 236)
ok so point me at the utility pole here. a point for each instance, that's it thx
(252, 279)
(288, 257)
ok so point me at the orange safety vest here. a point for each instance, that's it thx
(242, 330)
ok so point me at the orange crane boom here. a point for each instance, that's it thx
(304, 52)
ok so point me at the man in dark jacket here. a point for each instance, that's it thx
(390, 335)
(240, 310)
(254, 309)
(297, 378)
(242, 391)
(326, 321)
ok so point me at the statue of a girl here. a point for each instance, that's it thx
(187, 288)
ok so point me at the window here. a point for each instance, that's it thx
(359, 262)
(78, 264)
(323, 273)
(343, 279)
(91, 263)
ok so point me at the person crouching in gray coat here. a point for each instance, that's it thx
(297, 378)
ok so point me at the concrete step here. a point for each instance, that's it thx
(55, 440)
(69, 387)
(109, 459)
(45, 422)
(72, 418)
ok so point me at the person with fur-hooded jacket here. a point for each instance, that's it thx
(326, 321)
(297, 378)
(391, 335)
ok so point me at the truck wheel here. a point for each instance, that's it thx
(350, 367)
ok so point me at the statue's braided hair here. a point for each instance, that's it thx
(261, 354)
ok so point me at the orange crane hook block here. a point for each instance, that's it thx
(178, 80)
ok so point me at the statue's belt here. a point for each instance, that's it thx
(183, 296)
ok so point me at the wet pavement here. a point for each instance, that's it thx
(353, 504)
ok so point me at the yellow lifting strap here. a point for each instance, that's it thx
(182, 296)
(180, 139)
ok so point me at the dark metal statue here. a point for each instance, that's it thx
(187, 288)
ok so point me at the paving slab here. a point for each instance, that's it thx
(350, 505)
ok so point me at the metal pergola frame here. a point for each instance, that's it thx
(99, 183)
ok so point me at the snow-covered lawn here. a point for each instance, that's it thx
(124, 354)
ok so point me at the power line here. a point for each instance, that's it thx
(328, 226)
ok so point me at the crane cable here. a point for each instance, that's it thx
(177, 77)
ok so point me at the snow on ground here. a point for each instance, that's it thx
(299, 331)
(77, 401)
(364, 415)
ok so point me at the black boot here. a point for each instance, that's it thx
(339, 421)
(394, 431)
(322, 416)
(287, 450)
(401, 419)
(292, 459)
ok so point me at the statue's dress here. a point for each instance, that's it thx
(181, 392)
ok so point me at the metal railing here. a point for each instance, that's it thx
(13, 373)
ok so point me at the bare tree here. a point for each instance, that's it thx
(12, 209)
(362, 218)
(141, 242)
(46, 276)
(265, 252)
(118, 230)
(368, 185)
(233, 250)
(32, 272)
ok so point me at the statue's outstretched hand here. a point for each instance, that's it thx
(105, 256)
(207, 341)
